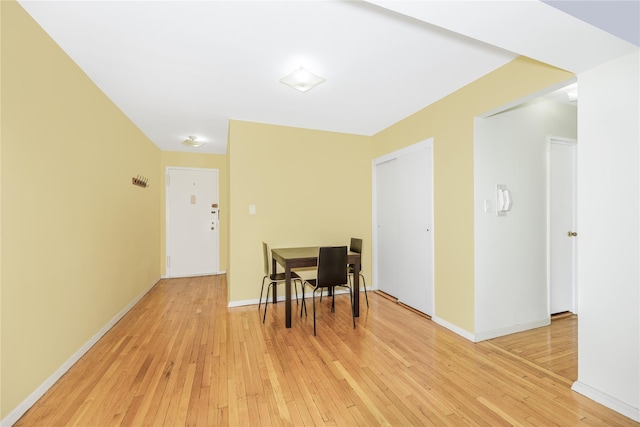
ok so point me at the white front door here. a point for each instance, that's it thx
(403, 241)
(192, 222)
(562, 225)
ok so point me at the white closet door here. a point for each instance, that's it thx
(404, 226)
(387, 226)
(415, 243)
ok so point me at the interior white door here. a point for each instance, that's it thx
(414, 189)
(403, 243)
(192, 222)
(562, 225)
(386, 227)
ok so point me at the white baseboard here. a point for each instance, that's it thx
(164, 276)
(465, 334)
(24, 406)
(482, 336)
(281, 297)
(606, 400)
(494, 333)
(244, 302)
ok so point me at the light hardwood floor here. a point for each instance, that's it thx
(181, 357)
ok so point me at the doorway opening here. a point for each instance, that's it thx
(512, 246)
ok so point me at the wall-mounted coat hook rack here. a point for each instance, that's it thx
(140, 181)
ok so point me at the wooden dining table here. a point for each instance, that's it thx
(291, 258)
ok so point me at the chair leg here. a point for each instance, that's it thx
(301, 288)
(322, 292)
(266, 302)
(314, 311)
(304, 305)
(261, 290)
(365, 289)
(353, 313)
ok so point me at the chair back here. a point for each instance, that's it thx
(355, 245)
(332, 266)
(267, 258)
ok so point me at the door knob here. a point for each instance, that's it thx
(572, 233)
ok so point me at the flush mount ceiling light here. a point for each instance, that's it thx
(302, 80)
(191, 142)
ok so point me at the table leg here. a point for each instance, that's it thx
(274, 292)
(356, 288)
(287, 292)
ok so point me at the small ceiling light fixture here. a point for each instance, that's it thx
(191, 142)
(302, 80)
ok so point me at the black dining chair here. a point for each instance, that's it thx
(356, 246)
(274, 279)
(331, 273)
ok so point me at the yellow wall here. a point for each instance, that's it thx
(196, 160)
(309, 188)
(450, 122)
(79, 241)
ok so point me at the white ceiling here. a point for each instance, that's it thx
(180, 68)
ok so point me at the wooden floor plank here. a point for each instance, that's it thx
(182, 357)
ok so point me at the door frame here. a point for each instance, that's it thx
(574, 267)
(166, 217)
(426, 143)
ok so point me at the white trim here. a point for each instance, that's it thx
(606, 400)
(453, 328)
(219, 273)
(241, 303)
(404, 151)
(26, 404)
(487, 335)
